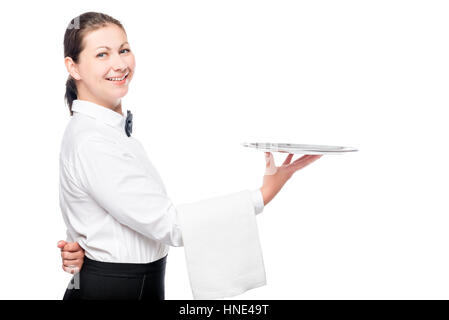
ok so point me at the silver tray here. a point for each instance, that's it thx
(298, 148)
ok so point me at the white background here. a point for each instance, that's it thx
(212, 74)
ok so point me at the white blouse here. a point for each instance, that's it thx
(112, 199)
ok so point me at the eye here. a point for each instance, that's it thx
(98, 55)
(125, 49)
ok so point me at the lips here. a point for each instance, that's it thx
(118, 78)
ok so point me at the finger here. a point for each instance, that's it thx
(270, 167)
(72, 263)
(305, 162)
(298, 163)
(61, 244)
(302, 159)
(310, 158)
(307, 157)
(72, 255)
(72, 266)
(288, 159)
(71, 269)
(72, 246)
(268, 158)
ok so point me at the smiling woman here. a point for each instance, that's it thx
(113, 200)
(98, 57)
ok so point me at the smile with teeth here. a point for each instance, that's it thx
(118, 79)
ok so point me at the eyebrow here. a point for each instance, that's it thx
(106, 47)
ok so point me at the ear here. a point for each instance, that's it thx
(72, 68)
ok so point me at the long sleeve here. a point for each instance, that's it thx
(120, 183)
(257, 198)
(68, 237)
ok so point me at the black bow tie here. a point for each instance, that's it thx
(129, 123)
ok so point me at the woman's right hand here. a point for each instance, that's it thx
(275, 177)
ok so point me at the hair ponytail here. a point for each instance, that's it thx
(71, 93)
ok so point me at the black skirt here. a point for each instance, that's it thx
(118, 281)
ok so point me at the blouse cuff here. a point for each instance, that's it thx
(257, 200)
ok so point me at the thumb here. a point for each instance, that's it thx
(270, 167)
(61, 244)
(71, 246)
(268, 159)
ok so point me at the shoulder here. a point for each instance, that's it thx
(83, 132)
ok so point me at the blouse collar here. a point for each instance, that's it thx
(99, 112)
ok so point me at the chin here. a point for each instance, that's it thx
(119, 93)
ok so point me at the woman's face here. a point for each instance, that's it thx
(106, 54)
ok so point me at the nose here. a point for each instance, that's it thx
(118, 64)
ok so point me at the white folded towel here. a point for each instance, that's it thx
(222, 248)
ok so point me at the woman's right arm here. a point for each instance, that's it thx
(275, 177)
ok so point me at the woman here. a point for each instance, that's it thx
(113, 200)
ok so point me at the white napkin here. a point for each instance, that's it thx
(221, 243)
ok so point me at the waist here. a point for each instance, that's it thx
(123, 269)
(123, 246)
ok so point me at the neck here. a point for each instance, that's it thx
(114, 106)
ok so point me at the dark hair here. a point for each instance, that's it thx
(73, 43)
